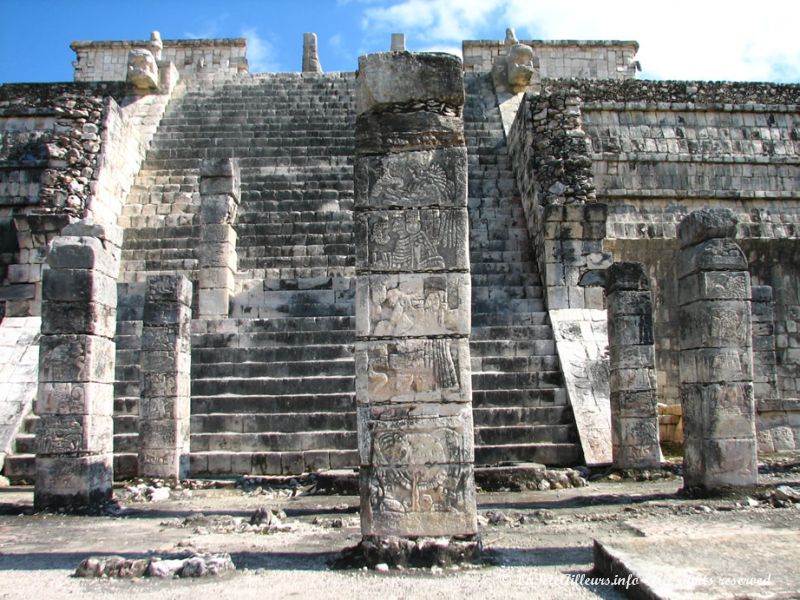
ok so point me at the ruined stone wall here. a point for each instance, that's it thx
(563, 58)
(49, 158)
(662, 149)
(67, 151)
(108, 60)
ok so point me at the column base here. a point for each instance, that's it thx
(420, 552)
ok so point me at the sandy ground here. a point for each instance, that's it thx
(541, 548)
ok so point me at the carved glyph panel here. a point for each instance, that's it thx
(387, 437)
(411, 179)
(413, 305)
(413, 370)
(412, 240)
(434, 499)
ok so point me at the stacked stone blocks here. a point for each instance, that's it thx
(716, 358)
(634, 418)
(413, 389)
(75, 401)
(165, 402)
(220, 184)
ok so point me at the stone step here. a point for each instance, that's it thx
(506, 293)
(518, 332)
(292, 422)
(509, 416)
(517, 381)
(494, 280)
(262, 403)
(206, 355)
(270, 463)
(514, 364)
(246, 370)
(562, 455)
(504, 348)
(273, 441)
(20, 467)
(517, 305)
(509, 319)
(510, 397)
(292, 386)
(525, 434)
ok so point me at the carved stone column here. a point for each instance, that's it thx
(413, 392)
(311, 62)
(716, 359)
(75, 403)
(632, 371)
(165, 402)
(220, 186)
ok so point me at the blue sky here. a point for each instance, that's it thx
(681, 39)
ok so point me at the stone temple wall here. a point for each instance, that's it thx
(108, 60)
(563, 58)
(67, 151)
(656, 151)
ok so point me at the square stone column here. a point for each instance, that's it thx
(165, 402)
(413, 297)
(220, 186)
(716, 358)
(632, 370)
(75, 401)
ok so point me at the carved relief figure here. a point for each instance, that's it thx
(412, 179)
(412, 370)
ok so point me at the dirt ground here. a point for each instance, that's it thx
(537, 544)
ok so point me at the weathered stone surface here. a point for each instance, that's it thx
(79, 285)
(413, 370)
(164, 406)
(76, 358)
(716, 361)
(626, 276)
(712, 255)
(387, 437)
(381, 133)
(632, 374)
(407, 305)
(169, 288)
(707, 224)
(424, 178)
(61, 434)
(311, 62)
(82, 253)
(413, 240)
(72, 482)
(78, 318)
(390, 78)
(75, 399)
(142, 70)
(715, 324)
(404, 500)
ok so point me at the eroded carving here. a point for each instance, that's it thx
(412, 179)
(413, 240)
(413, 370)
(413, 304)
(142, 70)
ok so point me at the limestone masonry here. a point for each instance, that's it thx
(424, 268)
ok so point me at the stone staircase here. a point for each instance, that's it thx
(520, 406)
(273, 385)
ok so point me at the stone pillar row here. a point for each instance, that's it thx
(165, 401)
(632, 369)
(220, 185)
(413, 389)
(75, 401)
(716, 358)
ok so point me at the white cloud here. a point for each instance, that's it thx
(260, 52)
(682, 39)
